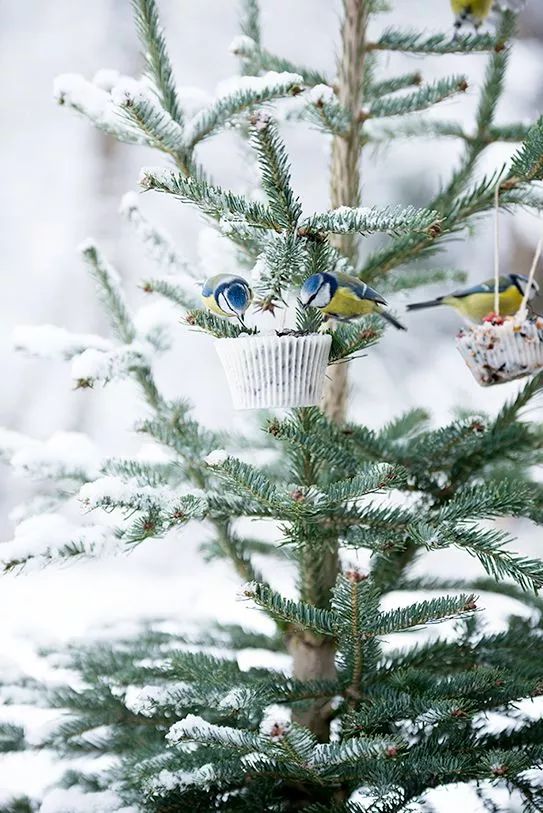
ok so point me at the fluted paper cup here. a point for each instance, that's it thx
(275, 371)
(499, 353)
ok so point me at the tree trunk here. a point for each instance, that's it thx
(314, 656)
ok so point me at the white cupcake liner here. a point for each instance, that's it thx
(275, 371)
(499, 353)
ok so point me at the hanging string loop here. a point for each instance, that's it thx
(497, 250)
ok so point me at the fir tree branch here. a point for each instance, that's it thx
(329, 115)
(158, 245)
(426, 96)
(425, 612)
(216, 326)
(347, 339)
(284, 263)
(366, 220)
(372, 478)
(250, 20)
(156, 56)
(12, 738)
(297, 613)
(488, 546)
(148, 120)
(221, 112)
(416, 43)
(275, 171)
(382, 88)
(212, 200)
(170, 289)
(110, 291)
(527, 164)
(257, 59)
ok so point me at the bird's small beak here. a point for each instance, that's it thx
(199, 283)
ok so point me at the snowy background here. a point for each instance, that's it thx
(62, 182)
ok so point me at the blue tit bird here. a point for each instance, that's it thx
(473, 11)
(343, 297)
(476, 11)
(477, 302)
(227, 295)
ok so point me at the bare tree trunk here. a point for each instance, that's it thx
(314, 656)
(345, 168)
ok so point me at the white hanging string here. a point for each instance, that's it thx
(497, 250)
(522, 311)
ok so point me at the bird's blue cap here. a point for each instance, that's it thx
(313, 284)
(237, 295)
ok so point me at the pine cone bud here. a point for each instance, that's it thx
(274, 427)
(391, 751)
(297, 495)
(355, 576)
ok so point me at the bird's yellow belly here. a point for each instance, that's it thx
(210, 303)
(477, 306)
(479, 9)
(346, 305)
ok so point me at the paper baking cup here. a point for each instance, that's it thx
(275, 371)
(499, 353)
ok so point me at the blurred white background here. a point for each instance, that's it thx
(62, 182)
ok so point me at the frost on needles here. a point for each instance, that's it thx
(326, 707)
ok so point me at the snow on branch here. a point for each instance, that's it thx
(166, 781)
(368, 220)
(53, 342)
(196, 729)
(11, 442)
(257, 59)
(65, 455)
(114, 492)
(145, 117)
(324, 109)
(99, 367)
(95, 103)
(44, 538)
(243, 93)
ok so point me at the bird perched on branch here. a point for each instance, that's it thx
(476, 11)
(343, 297)
(477, 302)
(227, 295)
(471, 11)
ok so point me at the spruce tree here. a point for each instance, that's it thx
(355, 725)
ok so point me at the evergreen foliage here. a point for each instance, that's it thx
(181, 724)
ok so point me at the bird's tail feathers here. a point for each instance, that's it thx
(430, 303)
(392, 320)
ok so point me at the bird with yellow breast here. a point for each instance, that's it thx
(343, 297)
(227, 295)
(471, 11)
(478, 301)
